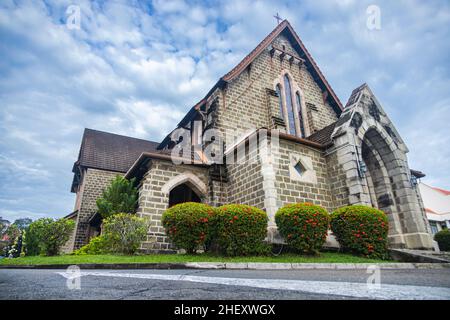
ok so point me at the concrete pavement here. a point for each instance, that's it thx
(239, 265)
(225, 284)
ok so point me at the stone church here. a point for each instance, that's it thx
(327, 153)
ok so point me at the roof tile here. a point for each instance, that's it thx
(113, 152)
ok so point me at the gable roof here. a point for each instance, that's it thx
(284, 26)
(304, 53)
(109, 151)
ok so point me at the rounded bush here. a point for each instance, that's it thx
(362, 230)
(97, 245)
(123, 233)
(443, 239)
(240, 229)
(188, 224)
(304, 226)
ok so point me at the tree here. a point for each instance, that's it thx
(23, 223)
(55, 235)
(46, 236)
(4, 224)
(120, 197)
(12, 232)
(12, 235)
(124, 233)
(33, 236)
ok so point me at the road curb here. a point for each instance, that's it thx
(240, 266)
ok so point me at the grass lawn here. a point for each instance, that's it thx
(324, 257)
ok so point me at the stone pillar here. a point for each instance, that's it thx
(152, 204)
(415, 230)
(271, 204)
(346, 155)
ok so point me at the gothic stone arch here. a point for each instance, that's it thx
(365, 136)
(188, 178)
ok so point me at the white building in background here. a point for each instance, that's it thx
(437, 206)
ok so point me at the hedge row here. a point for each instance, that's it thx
(362, 230)
(304, 226)
(240, 229)
(234, 229)
(443, 239)
(187, 225)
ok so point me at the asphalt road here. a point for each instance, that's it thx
(223, 284)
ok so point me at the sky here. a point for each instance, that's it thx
(136, 67)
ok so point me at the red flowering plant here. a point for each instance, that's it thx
(188, 225)
(303, 226)
(240, 230)
(361, 230)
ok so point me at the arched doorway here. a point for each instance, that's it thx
(380, 162)
(182, 193)
(373, 156)
(185, 187)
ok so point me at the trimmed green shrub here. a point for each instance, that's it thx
(46, 236)
(443, 239)
(120, 196)
(304, 226)
(97, 245)
(240, 230)
(55, 235)
(188, 225)
(33, 235)
(123, 233)
(361, 230)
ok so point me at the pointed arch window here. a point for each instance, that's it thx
(280, 101)
(289, 105)
(300, 114)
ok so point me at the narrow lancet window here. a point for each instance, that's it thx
(300, 115)
(289, 105)
(280, 101)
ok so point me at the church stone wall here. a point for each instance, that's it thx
(337, 181)
(94, 182)
(218, 193)
(245, 184)
(153, 201)
(68, 246)
(291, 190)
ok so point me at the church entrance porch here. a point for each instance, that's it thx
(373, 156)
(164, 185)
(377, 181)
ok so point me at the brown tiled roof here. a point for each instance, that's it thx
(323, 136)
(113, 152)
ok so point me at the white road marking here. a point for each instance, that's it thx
(351, 289)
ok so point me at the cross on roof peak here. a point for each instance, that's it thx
(278, 18)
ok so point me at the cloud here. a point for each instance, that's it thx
(133, 61)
